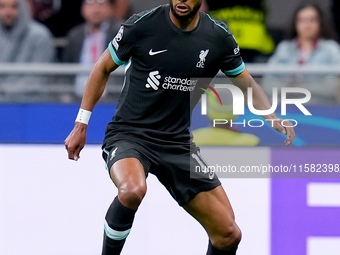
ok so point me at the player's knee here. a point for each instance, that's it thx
(132, 194)
(229, 237)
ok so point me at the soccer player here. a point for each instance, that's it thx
(162, 49)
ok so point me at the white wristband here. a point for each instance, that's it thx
(83, 116)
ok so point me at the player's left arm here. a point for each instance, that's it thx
(261, 102)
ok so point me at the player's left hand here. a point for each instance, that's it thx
(287, 130)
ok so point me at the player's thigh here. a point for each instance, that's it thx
(127, 166)
(213, 210)
(128, 172)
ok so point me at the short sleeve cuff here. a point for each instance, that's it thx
(114, 55)
(236, 71)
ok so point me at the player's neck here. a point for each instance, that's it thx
(186, 25)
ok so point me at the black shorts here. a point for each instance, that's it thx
(173, 166)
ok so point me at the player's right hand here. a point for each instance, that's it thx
(288, 130)
(75, 141)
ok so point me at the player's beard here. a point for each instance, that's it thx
(189, 15)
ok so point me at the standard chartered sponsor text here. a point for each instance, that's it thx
(173, 83)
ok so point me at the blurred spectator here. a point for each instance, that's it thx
(310, 42)
(43, 9)
(87, 41)
(21, 40)
(246, 20)
(61, 15)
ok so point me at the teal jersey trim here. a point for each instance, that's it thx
(105, 150)
(219, 25)
(152, 10)
(236, 71)
(108, 153)
(114, 55)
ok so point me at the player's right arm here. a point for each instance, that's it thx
(94, 89)
(119, 51)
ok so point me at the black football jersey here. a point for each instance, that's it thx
(163, 65)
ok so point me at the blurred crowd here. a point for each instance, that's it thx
(78, 31)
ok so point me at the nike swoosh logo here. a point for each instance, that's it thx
(152, 53)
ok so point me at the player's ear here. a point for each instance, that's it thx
(204, 6)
